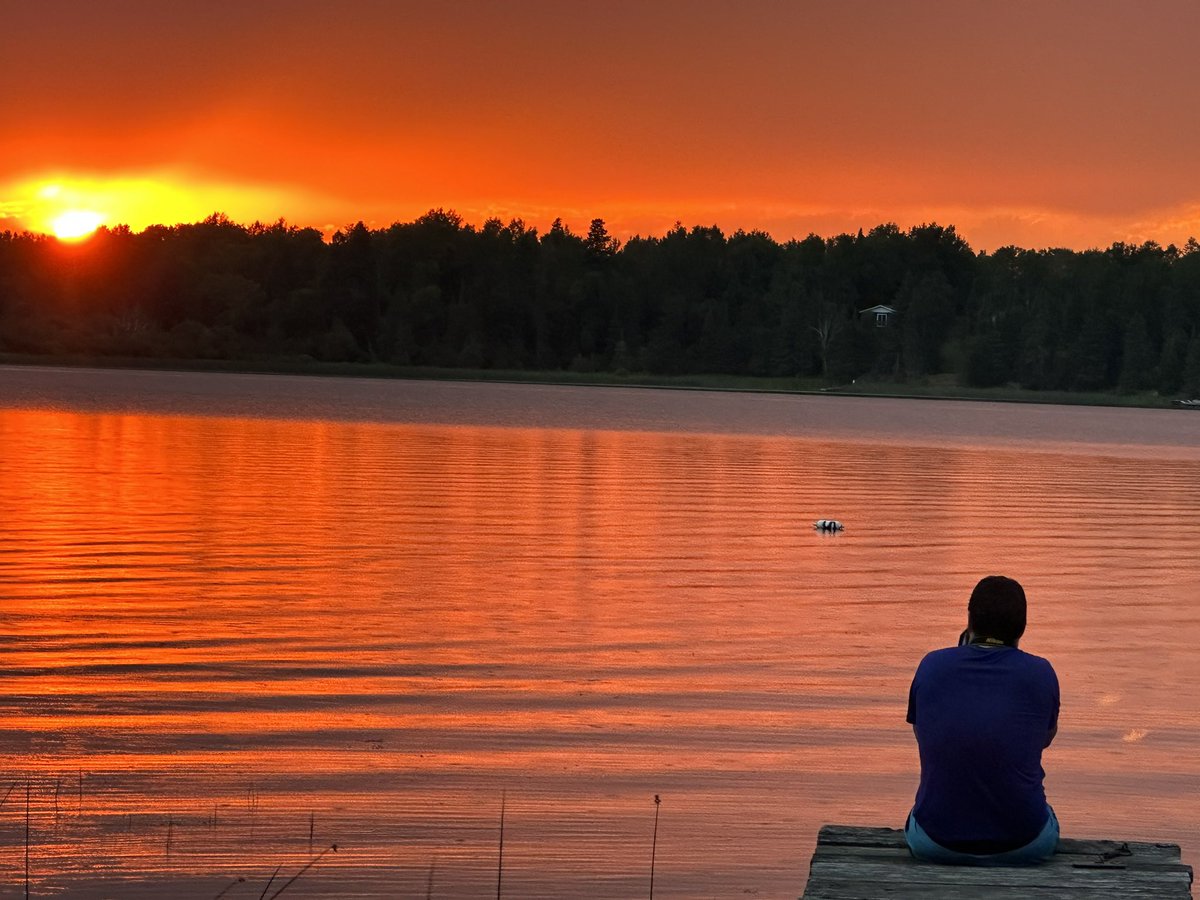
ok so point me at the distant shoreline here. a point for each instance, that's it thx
(933, 388)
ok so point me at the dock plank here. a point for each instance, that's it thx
(979, 892)
(862, 863)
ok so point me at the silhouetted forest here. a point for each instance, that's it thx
(441, 292)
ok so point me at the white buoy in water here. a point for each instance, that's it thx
(828, 525)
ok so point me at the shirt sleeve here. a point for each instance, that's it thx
(911, 718)
(1054, 699)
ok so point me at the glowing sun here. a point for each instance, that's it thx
(76, 224)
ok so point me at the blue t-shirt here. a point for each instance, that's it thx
(982, 716)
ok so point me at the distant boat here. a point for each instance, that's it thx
(1187, 404)
(828, 525)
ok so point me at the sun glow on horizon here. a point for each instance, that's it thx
(71, 206)
(76, 224)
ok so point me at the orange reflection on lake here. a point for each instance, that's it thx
(217, 627)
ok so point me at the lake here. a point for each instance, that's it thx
(246, 617)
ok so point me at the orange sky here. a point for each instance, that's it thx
(1065, 123)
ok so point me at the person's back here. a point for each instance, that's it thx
(982, 713)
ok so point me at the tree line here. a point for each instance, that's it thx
(441, 292)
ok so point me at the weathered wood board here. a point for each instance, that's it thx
(854, 863)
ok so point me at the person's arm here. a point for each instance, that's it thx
(911, 718)
(1053, 730)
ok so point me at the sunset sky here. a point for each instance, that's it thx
(1065, 123)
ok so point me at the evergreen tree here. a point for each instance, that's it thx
(986, 365)
(1137, 360)
(1089, 356)
(927, 313)
(1172, 361)
(1191, 368)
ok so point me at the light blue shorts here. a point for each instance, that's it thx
(1038, 850)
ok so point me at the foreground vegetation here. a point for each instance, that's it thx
(691, 308)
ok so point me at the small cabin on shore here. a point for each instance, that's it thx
(883, 315)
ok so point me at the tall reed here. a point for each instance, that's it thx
(26, 840)
(312, 862)
(241, 879)
(270, 881)
(500, 862)
(654, 845)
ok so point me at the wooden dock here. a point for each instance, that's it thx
(852, 863)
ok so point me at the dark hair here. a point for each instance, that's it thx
(997, 609)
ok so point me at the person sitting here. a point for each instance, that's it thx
(982, 713)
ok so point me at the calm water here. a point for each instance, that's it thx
(237, 608)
